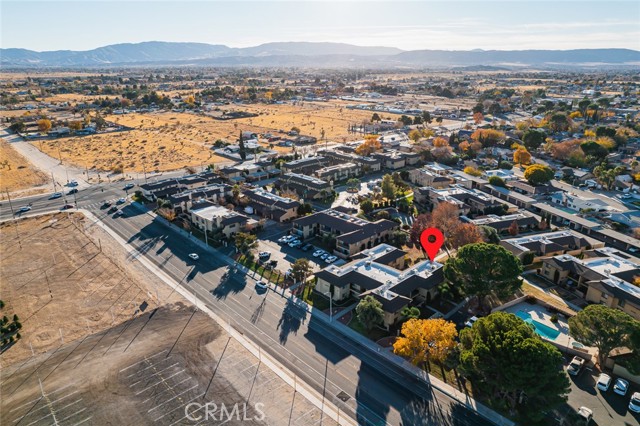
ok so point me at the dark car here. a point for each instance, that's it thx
(73, 191)
(128, 186)
(105, 205)
(113, 209)
(66, 207)
(307, 247)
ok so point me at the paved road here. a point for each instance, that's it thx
(375, 392)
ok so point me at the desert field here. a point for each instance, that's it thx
(16, 172)
(166, 141)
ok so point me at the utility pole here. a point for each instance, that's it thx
(54, 182)
(14, 218)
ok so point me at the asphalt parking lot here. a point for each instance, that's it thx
(608, 408)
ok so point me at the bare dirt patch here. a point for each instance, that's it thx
(16, 172)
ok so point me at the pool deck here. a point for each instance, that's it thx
(540, 314)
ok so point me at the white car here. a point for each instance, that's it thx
(262, 285)
(471, 321)
(264, 254)
(121, 201)
(575, 366)
(331, 259)
(325, 256)
(634, 404)
(194, 256)
(295, 243)
(604, 381)
(286, 239)
(621, 386)
(55, 195)
(586, 414)
(318, 253)
(118, 213)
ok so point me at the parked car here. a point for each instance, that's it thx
(621, 386)
(264, 255)
(307, 247)
(331, 259)
(262, 285)
(55, 195)
(471, 321)
(586, 415)
(194, 256)
(325, 256)
(24, 209)
(289, 272)
(286, 239)
(604, 381)
(318, 253)
(575, 366)
(128, 186)
(634, 404)
(295, 243)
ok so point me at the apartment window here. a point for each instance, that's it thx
(621, 303)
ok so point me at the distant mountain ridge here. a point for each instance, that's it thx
(308, 54)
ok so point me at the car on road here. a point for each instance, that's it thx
(66, 207)
(55, 195)
(113, 209)
(634, 404)
(128, 186)
(471, 321)
(194, 256)
(121, 201)
(307, 247)
(264, 255)
(72, 191)
(73, 183)
(262, 285)
(318, 253)
(331, 259)
(604, 381)
(118, 213)
(621, 386)
(24, 209)
(586, 414)
(105, 205)
(575, 366)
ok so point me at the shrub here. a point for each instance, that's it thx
(554, 318)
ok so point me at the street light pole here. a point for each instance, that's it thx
(330, 305)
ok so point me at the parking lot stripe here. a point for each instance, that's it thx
(157, 383)
(168, 389)
(181, 406)
(51, 403)
(154, 374)
(171, 399)
(77, 412)
(83, 421)
(145, 359)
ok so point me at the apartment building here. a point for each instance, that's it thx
(271, 206)
(307, 187)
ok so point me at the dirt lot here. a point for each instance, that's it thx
(16, 173)
(98, 361)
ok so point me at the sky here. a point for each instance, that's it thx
(410, 25)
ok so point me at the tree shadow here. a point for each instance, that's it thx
(293, 315)
(230, 283)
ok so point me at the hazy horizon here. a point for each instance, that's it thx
(407, 25)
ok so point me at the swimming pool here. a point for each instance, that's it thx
(540, 328)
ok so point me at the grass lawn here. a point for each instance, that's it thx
(313, 298)
(375, 334)
(541, 295)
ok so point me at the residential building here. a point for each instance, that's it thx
(426, 177)
(550, 244)
(526, 221)
(270, 205)
(393, 288)
(339, 172)
(505, 175)
(215, 193)
(219, 219)
(577, 203)
(352, 234)
(335, 157)
(307, 187)
(605, 276)
(466, 200)
(304, 165)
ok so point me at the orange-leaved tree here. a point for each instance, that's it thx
(369, 146)
(426, 339)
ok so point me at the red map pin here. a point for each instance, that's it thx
(431, 240)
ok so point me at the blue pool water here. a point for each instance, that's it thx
(540, 328)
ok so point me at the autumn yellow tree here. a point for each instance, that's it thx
(44, 124)
(472, 171)
(415, 135)
(464, 146)
(521, 156)
(369, 146)
(606, 142)
(425, 340)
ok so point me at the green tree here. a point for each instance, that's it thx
(538, 174)
(301, 270)
(603, 327)
(594, 149)
(242, 151)
(235, 191)
(583, 105)
(409, 312)
(489, 234)
(366, 206)
(426, 117)
(376, 117)
(513, 367)
(353, 183)
(245, 242)
(388, 187)
(532, 139)
(369, 312)
(497, 181)
(17, 126)
(481, 268)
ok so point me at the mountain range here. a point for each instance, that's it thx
(308, 54)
